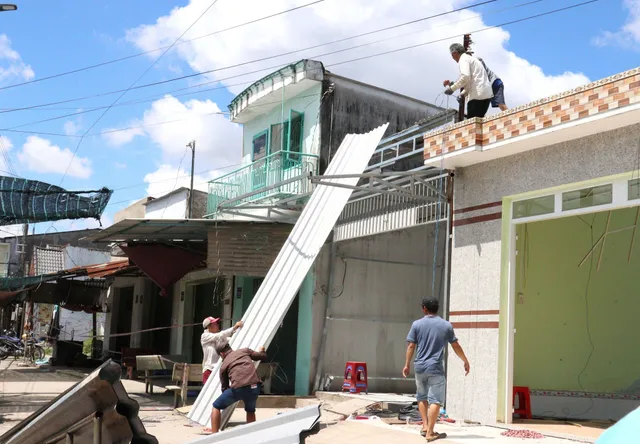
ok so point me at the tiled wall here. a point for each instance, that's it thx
(612, 92)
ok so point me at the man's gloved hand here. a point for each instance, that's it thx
(460, 98)
(448, 91)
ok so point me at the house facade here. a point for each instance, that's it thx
(293, 121)
(364, 290)
(544, 259)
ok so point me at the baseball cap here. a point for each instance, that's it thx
(208, 321)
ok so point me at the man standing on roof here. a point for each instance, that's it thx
(209, 339)
(239, 381)
(498, 88)
(474, 79)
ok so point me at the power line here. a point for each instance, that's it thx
(334, 64)
(97, 65)
(132, 85)
(237, 65)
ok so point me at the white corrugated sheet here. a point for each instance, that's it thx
(279, 288)
(282, 429)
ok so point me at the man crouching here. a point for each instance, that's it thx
(239, 381)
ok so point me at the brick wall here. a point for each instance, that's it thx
(613, 92)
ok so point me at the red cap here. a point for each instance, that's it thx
(208, 321)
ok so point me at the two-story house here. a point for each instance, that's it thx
(365, 288)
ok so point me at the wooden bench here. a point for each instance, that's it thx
(187, 377)
(156, 367)
(129, 356)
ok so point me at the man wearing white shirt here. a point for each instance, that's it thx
(211, 337)
(474, 79)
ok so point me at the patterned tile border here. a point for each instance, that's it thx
(573, 394)
(617, 91)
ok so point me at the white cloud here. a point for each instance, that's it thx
(217, 140)
(5, 146)
(41, 156)
(71, 128)
(417, 72)
(11, 230)
(168, 178)
(11, 64)
(120, 165)
(628, 36)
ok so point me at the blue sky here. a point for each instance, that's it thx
(552, 54)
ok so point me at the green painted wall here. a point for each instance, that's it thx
(556, 302)
(305, 333)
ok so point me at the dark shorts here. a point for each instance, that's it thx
(498, 93)
(477, 108)
(248, 394)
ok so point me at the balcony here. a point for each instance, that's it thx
(281, 176)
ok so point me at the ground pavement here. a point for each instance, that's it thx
(25, 389)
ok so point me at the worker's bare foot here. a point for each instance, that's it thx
(207, 431)
(436, 436)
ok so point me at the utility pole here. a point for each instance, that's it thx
(466, 42)
(192, 145)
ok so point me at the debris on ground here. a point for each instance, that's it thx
(523, 434)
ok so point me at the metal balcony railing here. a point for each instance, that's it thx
(279, 175)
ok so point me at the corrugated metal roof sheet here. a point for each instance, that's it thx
(151, 230)
(73, 412)
(272, 301)
(284, 428)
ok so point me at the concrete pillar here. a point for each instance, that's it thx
(305, 334)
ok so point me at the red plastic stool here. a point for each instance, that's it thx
(355, 377)
(524, 402)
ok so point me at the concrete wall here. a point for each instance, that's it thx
(183, 310)
(355, 107)
(74, 238)
(373, 301)
(476, 253)
(133, 211)
(78, 257)
(143, 291)
(173, 206)
(307, 102)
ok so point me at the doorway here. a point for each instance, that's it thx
(125, 312)
(283, 349)
(208, 300)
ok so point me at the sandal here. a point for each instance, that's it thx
(438, 436)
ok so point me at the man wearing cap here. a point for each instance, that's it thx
(211, 337)
(239, 381)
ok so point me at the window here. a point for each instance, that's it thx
(295, 134)
(279, 133)
(587, 197)
(533, 207)
(634, 189)
(260, 145)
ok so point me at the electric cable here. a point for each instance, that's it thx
(109, 62)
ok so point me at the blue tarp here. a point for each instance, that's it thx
(626, 431)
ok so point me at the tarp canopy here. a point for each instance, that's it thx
(30, 201)
(165, 265)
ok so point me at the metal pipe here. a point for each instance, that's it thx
(327, 315)
(192, 145)
(97, 429)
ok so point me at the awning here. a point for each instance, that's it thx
(164, 264)
(161, 230)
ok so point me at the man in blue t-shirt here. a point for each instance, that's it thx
(430, 336)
